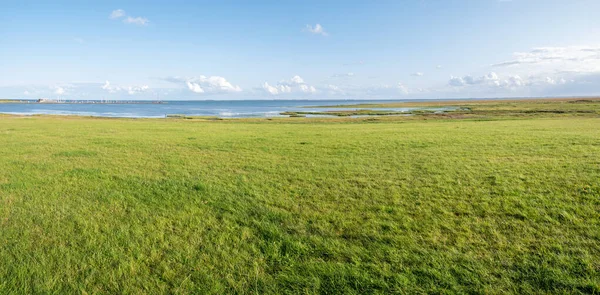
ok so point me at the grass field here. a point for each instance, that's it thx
(459, 204)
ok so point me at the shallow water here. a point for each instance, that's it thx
(223, 109)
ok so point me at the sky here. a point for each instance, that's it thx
(398, 49)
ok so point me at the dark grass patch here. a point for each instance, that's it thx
(76, 153)
(83, 172)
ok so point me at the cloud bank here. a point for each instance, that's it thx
(295, 85)
(205, 84)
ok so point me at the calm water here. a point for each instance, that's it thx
(224, 109)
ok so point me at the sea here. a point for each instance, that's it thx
(149, 109)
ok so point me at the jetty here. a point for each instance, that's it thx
(74, 101)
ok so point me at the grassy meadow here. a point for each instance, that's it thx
(481, 203)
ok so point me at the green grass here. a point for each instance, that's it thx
(297, 205)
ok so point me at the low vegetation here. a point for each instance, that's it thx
(188, 117)
(466, 108)
(345, 113)
(492, 200)
(11, 101)
(495, 107)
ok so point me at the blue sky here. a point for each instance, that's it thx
(301, 49)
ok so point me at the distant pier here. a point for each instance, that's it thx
(74, 101)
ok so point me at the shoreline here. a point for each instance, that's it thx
(589, 106)
(476, 109)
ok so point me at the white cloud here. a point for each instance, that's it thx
(297, 80)
(571, 58)
(317, 29)
(553, 81)
(417, 74)
(140, 21)
(110, 88)
(26, 92)
(59, 90)
(285, 89)
(118, 13)
(131, 90)
(540, 71)
(204, 84)
(402, 88)
(295, 85)
(194, 87)
(359, 63)
(438, 67)
(383, 91)
(470, 80)
(270, 89)
(456, 81)
(512, 82)
(333, 88)
(277, 89)
(345, 75)
(494, 83)
(307, 88)
(218, 84)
